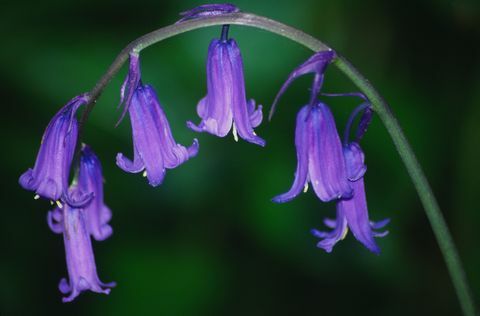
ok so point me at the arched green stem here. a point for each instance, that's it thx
(379, 105)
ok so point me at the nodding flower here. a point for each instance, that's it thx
(90, 180)
(353, 212)
(82, 271)
(225, 106)
(50, 176)
(154, 148)
(320, 158)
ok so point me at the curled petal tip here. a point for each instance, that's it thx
(193, 149)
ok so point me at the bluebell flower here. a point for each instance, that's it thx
(154, 147)
(82, 271)
(353, 212)
(225, 105)
(207, 10)
(90, 180)
(319, 156)
(49, 176)
(319, 149)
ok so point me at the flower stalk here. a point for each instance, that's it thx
(430, 205)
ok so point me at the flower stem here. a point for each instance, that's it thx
(430, 205)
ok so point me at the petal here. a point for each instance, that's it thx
(356, 212)
(26, 180)
(146, 139)
(354, 159)
(380, 224)
(326, 164)
(55, 221)
(127, 165)
(302, 141)
(49, 177)
(256, 115)
(365, 121)
(82, 271)
(173, 154)
(193, 149)
(241, 115)
(330, 239)
(216, 108)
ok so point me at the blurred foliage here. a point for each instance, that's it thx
(209, 241)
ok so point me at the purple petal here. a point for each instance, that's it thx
(127, 165)
(225, 103)
(216, 108)
(330, 223)
(241, 115)
(365, 121)
(356, 213)
(90, 179)
(326, 165)
(302, 141)
(256, 115)
(55, 220)
(173, 154)
(380, 224)
(82, 271)
(154, 146)
(49, 176)
(330, 239)
(354, 159)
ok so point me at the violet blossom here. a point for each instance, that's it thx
(225, 106)
(49, 176)
(82, 271)
(154, 147)
(353, 212)
(319, 150)
(90, 179)
(319, 156)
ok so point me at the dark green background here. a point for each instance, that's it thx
(209, 241)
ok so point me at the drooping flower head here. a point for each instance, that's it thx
(82, 271)
(207, 10)
(49, 176)
(130, 84)
(353, 212)
(225, 104)
(90, 179)
(319, 150)
(319, 156)
(154, 148)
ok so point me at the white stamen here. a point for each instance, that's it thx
(59, 204)
(305, 188)
(234, 132)
(51, 202)
(344, 234)
(144, 174)
(36, 197)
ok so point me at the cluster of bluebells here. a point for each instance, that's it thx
(334, 169)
